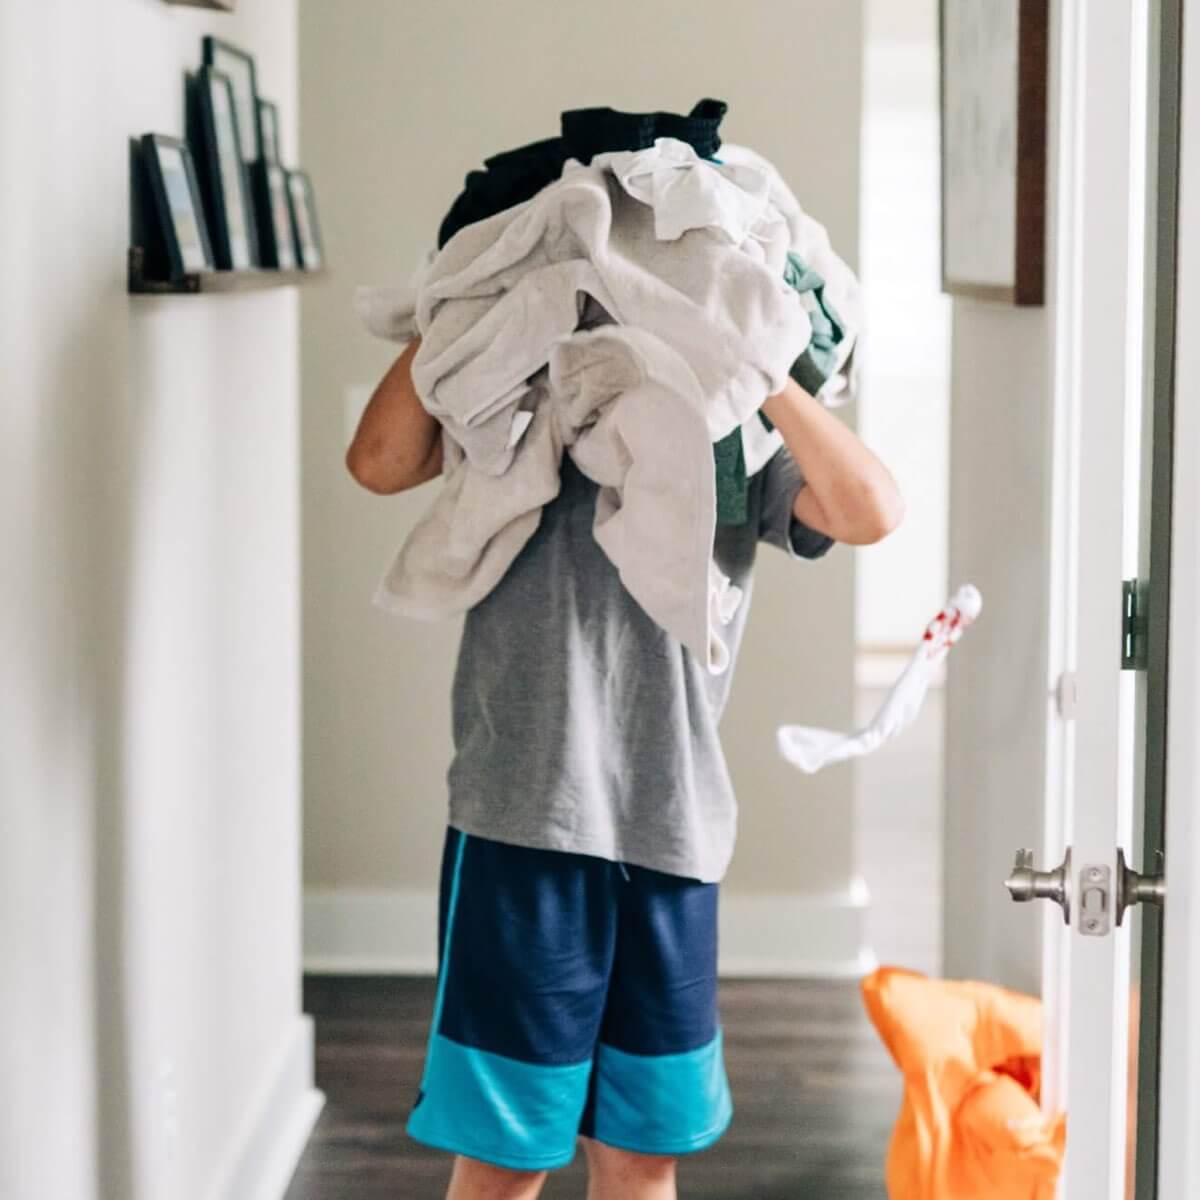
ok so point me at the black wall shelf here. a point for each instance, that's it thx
(219, 5)
(209, 281)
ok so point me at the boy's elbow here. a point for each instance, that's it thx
(869, 511)
(368, 470)
(882, 513)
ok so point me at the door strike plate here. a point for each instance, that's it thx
(1095, 899)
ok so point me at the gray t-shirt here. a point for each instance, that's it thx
(579, 724)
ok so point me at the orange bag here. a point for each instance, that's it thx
(969, 1127)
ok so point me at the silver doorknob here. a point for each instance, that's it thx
(1133, 888)
(1026, 884)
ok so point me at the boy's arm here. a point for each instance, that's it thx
(397, 445)
(848, 494)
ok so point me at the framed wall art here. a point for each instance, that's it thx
(175, 199)
(224, 178)
(235, 63)
(277, 237)
(268, 130)
(994, 62)
(309, 250)
(217, 211)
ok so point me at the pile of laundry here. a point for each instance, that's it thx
(628, 293)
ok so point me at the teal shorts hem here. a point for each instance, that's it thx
(499, 1110)
(671, 1149)
(495, 1158)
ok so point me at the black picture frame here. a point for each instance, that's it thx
(224, 178)
(975, 120)
(276, 235)
(310, 249)
(268, 130)
(239, 66)
(171, 178)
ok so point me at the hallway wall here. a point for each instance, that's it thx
(1001, 443)
(151, 1043)
(398, 103)
(996, 691)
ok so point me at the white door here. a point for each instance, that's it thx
(1179, 1095)
(1106, 716)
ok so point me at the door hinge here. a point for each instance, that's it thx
(1135, 607)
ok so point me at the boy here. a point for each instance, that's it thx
(591, 818)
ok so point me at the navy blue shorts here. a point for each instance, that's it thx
(575, 996)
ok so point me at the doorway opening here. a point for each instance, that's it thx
(904, 415)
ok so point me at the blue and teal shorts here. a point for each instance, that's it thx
(574, 996)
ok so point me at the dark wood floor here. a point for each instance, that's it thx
(814, 1097)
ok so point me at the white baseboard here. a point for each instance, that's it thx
(820, 935)
(263, 1160)
(877, 669)
(353, 932)
(781, 935)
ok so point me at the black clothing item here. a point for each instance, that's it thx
(514, 176)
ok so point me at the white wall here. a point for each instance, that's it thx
(399, 101)
(996, 694)
(1001, 444)
(904, 414)
(150, 1038)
